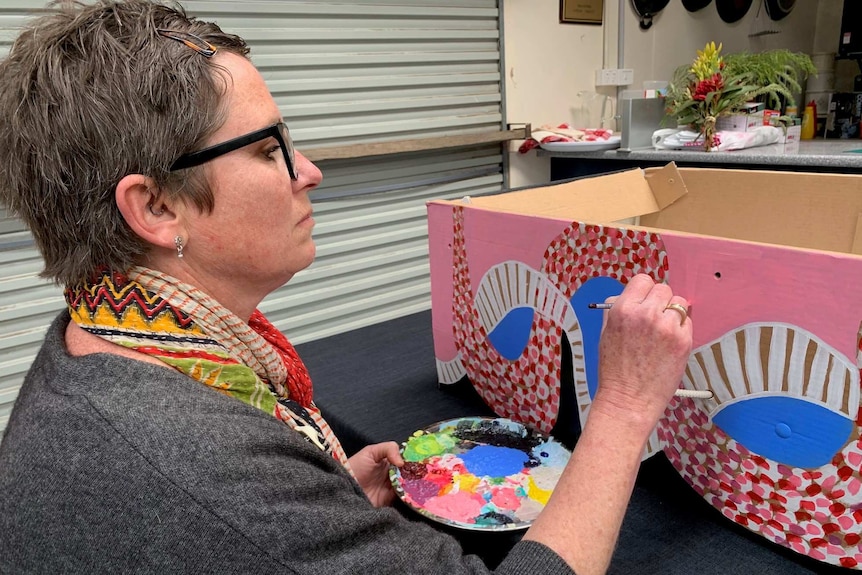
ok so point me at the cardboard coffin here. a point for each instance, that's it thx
(769, 263)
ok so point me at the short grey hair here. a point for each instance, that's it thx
(90, 93)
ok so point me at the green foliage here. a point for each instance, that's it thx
(773, 68)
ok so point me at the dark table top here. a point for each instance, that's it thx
(379, 383)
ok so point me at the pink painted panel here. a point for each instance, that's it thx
(776, 337)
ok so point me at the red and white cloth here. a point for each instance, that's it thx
(563, 133)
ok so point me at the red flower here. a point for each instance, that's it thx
(708, 85)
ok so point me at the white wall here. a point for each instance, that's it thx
(677, 34)
(547, 62)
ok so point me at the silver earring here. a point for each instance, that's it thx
(154, 212)
(178, 241)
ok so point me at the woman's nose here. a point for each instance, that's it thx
(308, 175)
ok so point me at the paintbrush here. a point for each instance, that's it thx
(610, 305)
(702, 394)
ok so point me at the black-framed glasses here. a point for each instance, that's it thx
(278, 131)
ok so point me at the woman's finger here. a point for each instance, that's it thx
(392, 453)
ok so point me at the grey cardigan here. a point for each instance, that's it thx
(114, 465)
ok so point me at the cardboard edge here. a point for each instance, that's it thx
(604, 197)
(856, 248)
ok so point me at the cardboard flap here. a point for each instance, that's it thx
(607, 198)
(667, 184)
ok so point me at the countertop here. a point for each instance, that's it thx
(818, 153)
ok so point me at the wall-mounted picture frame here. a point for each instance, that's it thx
(581, 11)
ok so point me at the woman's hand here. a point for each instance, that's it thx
(371, 469)
(643, 352)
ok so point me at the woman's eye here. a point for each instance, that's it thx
(270, 152)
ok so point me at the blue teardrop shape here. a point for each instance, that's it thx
(786, 429)
(594, 290)
(511, 335)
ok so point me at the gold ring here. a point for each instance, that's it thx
(683, 312)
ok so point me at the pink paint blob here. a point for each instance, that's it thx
(459, 506)
(506, 498)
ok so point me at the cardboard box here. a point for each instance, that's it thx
(769, 116)
(739, 122)
(770, 262)
(790, 138)
(751, 116)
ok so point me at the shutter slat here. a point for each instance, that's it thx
(343, 73)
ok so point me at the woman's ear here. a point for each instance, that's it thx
(146, 211)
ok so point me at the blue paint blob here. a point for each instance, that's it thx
(786, 429)
(594, 290)
(494, 461)
(510, 336)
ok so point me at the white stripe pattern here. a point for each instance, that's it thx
(774, 358)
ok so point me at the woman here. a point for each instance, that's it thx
(166, 425)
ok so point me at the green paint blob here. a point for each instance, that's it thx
(422, 447)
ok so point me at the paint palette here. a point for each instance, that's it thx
(480, 473)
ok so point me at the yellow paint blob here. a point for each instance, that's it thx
(537, 493)
(466, 481)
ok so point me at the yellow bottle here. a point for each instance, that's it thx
(808, 123)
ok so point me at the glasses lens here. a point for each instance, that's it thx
(288, 149)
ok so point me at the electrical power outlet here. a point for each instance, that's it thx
(607, 77)
(615, 77)
(625, 77)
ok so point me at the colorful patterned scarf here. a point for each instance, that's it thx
(156, 314)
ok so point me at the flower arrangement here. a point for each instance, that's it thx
(711, 87)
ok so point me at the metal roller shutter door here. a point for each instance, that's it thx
(344, 73)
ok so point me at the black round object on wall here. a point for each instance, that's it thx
(732, 10)
(646, 9)
(695, 5)
(778, 9)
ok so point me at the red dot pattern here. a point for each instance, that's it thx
(815, 512)
(585, 251)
